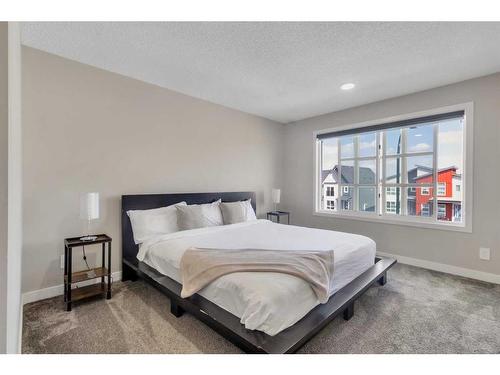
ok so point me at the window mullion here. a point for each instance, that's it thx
(383, 181)
(319, 167)
(355, 195)
(404, 173)
(378, 193)
(339, 166)
(434, 166)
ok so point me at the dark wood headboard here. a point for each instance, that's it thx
(149, 201)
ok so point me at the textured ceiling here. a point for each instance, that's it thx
(281, 71)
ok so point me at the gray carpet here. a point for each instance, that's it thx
(417, 311)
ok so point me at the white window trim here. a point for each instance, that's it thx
(440, 184)
(467, 184)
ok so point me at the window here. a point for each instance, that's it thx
(399, 170)
(390, 207)
(441, 211)
(441, 190)
(346, 205)
(425, 209)
(457, 213)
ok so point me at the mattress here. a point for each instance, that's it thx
(264, 301)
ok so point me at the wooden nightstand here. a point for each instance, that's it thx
(70, 277)
(277, 215)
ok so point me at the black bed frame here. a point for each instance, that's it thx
(222, 321)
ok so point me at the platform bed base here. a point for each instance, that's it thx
(229, 326)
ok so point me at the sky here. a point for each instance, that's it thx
(419, 139)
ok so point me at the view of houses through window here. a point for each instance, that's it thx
(414, 171)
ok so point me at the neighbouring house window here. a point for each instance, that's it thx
(390, 207)
(457, 212)
(346, 205)
(441, 211)
(399, 169)
(441, 189)
(426, 209)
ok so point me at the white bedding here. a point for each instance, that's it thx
(268, 302)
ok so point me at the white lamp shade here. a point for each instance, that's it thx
(89, 206)
(276, 195)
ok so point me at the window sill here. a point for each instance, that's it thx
(403, 222)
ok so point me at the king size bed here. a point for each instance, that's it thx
(260, 312)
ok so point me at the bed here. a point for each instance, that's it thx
(259, 312)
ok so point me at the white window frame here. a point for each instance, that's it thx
(417, 221)
(440, 193)
(425, 190)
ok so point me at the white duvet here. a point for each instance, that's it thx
(268, 302)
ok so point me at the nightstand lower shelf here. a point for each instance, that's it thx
(87, 291)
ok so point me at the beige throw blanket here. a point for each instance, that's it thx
(199, 267)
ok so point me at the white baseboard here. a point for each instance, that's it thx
(58, 290)
(441, 267)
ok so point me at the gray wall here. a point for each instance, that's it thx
(86, 129)
(3, 181)
(456, 249)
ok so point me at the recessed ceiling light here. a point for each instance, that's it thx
(418, 135)
(347, 86)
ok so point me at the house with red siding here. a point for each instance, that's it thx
(449, 195)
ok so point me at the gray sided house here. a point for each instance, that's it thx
(330, 179)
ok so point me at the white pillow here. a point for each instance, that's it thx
(199, 215)
(250, 211)
(150, 223)
(237, 212)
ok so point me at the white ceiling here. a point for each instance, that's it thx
(281, 71)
